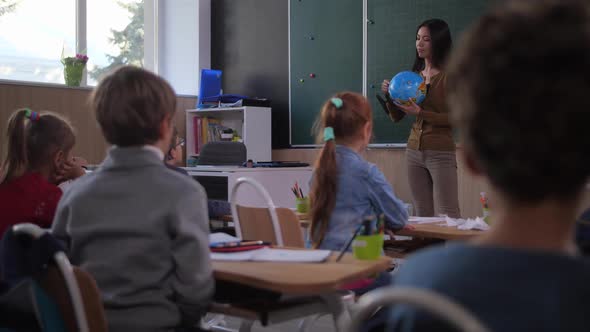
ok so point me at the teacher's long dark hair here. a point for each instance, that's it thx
(440, 38)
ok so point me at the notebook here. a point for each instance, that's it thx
(275, 255)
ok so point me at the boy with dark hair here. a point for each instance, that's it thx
(138, 227)
(519, 87)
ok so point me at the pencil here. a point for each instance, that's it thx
(349, 242)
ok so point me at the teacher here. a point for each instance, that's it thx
(430, 153)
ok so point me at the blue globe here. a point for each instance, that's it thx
(406, 86)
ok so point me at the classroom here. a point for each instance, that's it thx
(398, 161)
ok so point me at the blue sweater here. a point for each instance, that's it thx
(507, 289)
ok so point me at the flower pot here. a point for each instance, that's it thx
(73, 73)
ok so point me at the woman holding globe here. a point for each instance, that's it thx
(430, 153)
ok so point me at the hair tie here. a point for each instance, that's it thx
(33, 116)
(337, 102)
(328, 134)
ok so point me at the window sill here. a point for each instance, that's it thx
(45, 85)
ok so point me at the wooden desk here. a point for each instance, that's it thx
(437, 231)
(299, 278)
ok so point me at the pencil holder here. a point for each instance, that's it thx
(302, 205)
(367, 247)
(486, 215)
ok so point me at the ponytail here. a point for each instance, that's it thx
(14, 161)
(342, 117)
(32, 141)
(323, 192)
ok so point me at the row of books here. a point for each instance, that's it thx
(209, 130)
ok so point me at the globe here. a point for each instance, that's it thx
(406, 86)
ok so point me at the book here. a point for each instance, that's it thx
(274, 255)
(197, 134)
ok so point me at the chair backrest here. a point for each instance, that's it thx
(65, 284)
(55, 286)
(256, 224)
(427, 300)
(222, 153)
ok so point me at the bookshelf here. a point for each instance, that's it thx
(252, 124)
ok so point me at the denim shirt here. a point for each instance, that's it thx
(362, 190)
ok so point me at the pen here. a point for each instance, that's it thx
(235, 244)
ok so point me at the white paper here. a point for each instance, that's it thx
(221, 238)
(426, 220)
(274, 255)
(467, 224)
(234, 256)
(286, 255)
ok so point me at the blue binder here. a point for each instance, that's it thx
(210, 90)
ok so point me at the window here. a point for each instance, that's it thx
(115, 35)
(32, 35)
(171, 38)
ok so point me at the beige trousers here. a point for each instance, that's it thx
(433, 182)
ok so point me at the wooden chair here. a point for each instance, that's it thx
(74, 291)
(256, 224)
(279, 226)
(426, 300)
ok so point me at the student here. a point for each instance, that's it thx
(430, 156)
(37, 158)
(139, 228)
(345, 187)
(519, 89)
(174, 154)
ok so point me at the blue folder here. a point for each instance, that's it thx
(210, 90)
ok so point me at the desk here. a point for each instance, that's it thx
(437, 231)
(301, 279)
(219, 181)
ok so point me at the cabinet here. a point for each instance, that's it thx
(252, 124)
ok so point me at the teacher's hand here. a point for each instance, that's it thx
(385, 87)
(412, 109)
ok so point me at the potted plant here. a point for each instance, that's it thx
(74, 68)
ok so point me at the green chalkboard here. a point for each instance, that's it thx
(326, 38)
(391, 38)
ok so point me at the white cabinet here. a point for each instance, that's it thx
(253, 125)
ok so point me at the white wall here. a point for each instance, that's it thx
(184, 42)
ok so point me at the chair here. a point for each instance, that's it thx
(279, 226)
(427, 300)
(74, 291)
(222, 153)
